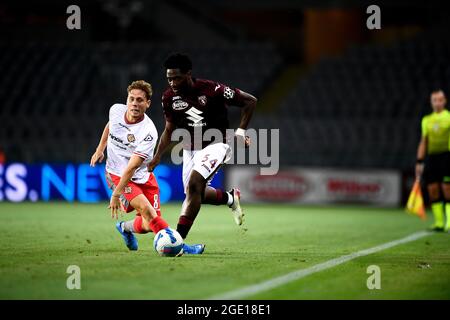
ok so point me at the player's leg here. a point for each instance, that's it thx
(128, 237)
(191, 205)
(151, 191)
(150, 220)
(437, 206)
(208, 161)
(230, 198)
(445, 168)
(446, 193)
(432, 176)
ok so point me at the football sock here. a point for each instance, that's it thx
(184, 225)
(438, 212)
(230, 199)
(158, 223)
(127, 226)
(222, 197)
(136, 225)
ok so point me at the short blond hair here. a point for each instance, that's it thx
(141, 85)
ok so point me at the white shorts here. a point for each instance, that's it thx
(206, 161)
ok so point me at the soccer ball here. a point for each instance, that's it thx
(168, 243)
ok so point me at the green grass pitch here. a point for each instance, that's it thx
(40, 240)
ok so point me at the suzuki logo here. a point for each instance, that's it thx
(195, 115)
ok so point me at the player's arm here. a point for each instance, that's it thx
(99, 155)
(421, 152)
(248, 103)
(164, 142)
(114, 204)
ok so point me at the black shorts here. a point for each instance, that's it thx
(437, 168)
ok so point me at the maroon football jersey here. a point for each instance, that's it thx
(203, 105)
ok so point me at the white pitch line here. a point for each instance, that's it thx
(301, 273)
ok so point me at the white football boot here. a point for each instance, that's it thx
(236, 209)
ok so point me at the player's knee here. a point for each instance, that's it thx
(196, 186)
(146, 210)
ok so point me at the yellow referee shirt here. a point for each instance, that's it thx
(436, 127)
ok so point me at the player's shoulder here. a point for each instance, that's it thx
(427, 116)
(117, 110)
(118, 106)
(447, 113)
(148, 121)
(208, 87)
(206, 84)
(167, 97)
(168, 93)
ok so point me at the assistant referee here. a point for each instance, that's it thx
(433, 160)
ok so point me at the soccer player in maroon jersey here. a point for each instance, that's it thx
(191, 103)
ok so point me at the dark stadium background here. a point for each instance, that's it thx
(343, 96)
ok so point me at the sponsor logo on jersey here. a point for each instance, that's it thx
(131, 138)
(202, 100)
(148, 137)
(179, 105)
(124, 126)
(113, 137)
(228, 93)
(195, 116)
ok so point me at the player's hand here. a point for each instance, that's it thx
(419, 170)
(98, 156)
(114, 205)
(247, 141)
(243, 142)
(152, 165)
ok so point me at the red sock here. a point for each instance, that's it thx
(157, 224)
(137, 225)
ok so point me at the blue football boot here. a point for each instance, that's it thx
(193, 249)
(128, 237)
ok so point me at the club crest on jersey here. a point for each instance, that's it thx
(436, 127)
(179, 105)
(202, 100)
(127, 189)
(131, 138)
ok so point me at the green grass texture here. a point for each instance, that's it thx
(41, 240)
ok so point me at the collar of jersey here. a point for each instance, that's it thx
(128, 122)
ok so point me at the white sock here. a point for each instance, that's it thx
(230, 198)
(128, 226)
